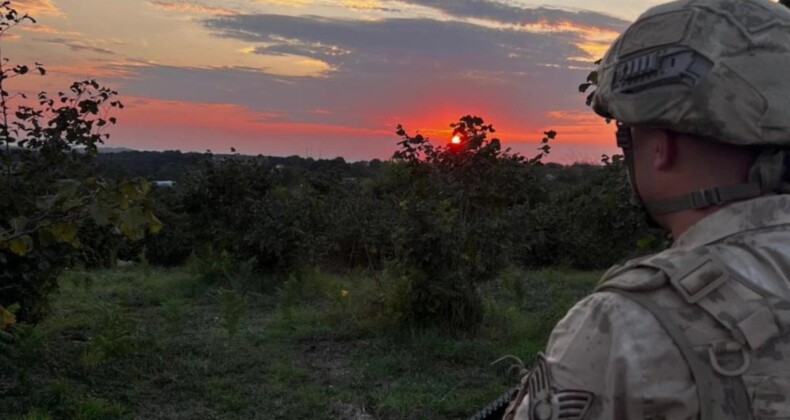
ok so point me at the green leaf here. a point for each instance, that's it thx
(144, 187)
(100, 213)
(154, 224)
(6, 318)
(21, 246)
(131, 190)
(67, 187)
(65, 232)
(71, 203)
(645, 242)
(593, 78)
(46, 202)
(132, 221)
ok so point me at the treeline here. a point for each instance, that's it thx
(174, 165)
(433, 222)
(437, 221)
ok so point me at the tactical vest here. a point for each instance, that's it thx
(734, 336)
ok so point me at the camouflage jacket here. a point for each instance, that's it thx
(723, 287)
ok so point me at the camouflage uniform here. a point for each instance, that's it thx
(701, 330)
(612, 359)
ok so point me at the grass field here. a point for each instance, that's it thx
(141, 342)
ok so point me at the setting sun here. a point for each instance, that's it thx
(456, 140)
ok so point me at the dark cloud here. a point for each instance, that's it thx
(508, 14)
(78, 46)
(390, 45)
(385, 72)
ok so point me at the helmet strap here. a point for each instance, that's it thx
(766, 176)
(708, 197)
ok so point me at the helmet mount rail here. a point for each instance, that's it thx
(660, 67)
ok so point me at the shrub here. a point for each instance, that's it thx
(50, 197)
(451, 234)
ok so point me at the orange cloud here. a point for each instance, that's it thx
(361, 4)
(581, 127)
(38, 28)
(595, 41)
(192, 8)
(36, 7)
(97, 69)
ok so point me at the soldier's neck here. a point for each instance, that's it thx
(678, 223)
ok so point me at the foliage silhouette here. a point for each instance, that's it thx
(49, 192)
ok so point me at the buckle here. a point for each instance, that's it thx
(624, 139)
(705, 198)
(699, 281)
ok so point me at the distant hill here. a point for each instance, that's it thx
(115, 149)
(174, 165)
(168, 165)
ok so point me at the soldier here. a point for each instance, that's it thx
(700, 92)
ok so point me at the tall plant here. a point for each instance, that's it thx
(48, 190)
(453, 231)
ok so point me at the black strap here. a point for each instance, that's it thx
(706, 198)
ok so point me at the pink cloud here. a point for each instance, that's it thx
(148, 123)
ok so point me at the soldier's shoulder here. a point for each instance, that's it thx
(651, 272)
(601, 327)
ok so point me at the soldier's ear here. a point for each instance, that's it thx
(664, 149)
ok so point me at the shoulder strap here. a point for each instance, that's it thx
(745, 312)
(711, 389)
(702, 373)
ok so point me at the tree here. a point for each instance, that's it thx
(49, 190)
(457, 207)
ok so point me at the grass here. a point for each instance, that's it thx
(142, 342)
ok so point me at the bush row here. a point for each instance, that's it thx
(440, 219)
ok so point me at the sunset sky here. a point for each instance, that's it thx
(328, 77)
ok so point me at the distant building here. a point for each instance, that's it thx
(165, 184)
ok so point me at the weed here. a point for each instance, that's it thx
(144, 263)
(36, 414)
(172, 311)
(244, 278)
(232, 308)
(79, 279)
(210, 267)
(91, 408)
(328, 345)
(512, 281)
(113, 335)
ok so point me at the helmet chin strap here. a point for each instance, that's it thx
(766, 176)
(703, 199)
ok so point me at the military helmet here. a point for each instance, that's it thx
(714, 68)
